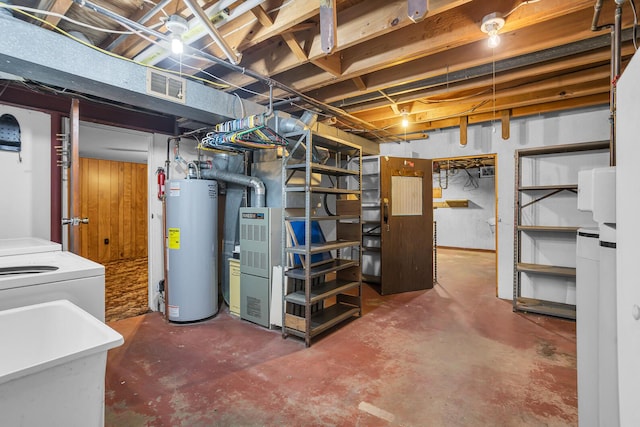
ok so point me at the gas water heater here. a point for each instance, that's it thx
(192, 250)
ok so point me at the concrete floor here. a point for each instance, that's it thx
(452, 356)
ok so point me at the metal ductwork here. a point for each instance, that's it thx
(26, 51)
(248, 181)
(229, 168)
(292, 124)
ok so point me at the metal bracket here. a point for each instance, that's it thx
(63, 150)
(417, 9)
(328, 25)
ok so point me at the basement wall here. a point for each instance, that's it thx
(156, 158)
(472, 227)
(25, 190)
(544, 130)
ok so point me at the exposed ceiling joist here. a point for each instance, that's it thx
(383, 62)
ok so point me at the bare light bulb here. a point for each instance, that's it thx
(176, 44)
(177, 26)
(405, 122)
(494, 40)
(491, 25)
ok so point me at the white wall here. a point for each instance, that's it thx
(156, 156)
(471, 227)
(26, 187)
(111, 143)
(543, 130)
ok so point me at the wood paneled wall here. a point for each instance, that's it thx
(114, 198)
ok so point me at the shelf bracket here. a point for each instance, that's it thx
(546, 196)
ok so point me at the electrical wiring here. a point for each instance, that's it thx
(111, 54)
(524, 3)
(6, 85)
(252, 22)
(461, 98)
(64, 17)
(472, 182)
(155, 5)
(241, 104)
(43, 88)
(320, 105)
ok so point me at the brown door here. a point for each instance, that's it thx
(114, 196)
(407, 224)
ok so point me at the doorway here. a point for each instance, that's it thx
(465, 205)
(114, 197)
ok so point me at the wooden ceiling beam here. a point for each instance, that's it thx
(262, 16)
(455, 28)
(460, 59)
(332, 64)
(61, 7)
(448, 32)
(556, 32)
(290, 40)
(546, 107)
(358, 24)
(556, 83)
(535, 71)
(516, 101)
(360, 84)
(242, 33)
(134, 44)
(478, 106)
(245, 32)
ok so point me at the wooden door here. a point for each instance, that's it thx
(114, 196)
(407, 224)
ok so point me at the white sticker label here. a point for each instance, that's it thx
(174, 311)
(174, 189)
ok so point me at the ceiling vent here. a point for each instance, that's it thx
(165, 85)
(487, 172)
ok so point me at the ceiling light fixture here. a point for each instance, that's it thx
(491, 24)
(177, 26)
(405, 119)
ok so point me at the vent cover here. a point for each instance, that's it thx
(165, 85)
(487, 171)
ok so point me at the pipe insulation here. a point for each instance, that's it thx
(228, 168)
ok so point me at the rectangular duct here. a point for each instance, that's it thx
(28, 51)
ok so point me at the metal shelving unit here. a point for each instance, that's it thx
(322, 279)
(371, 222)
(534, 195)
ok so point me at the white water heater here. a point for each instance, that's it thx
(192, 249)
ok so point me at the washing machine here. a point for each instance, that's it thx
(27, 245)
(36, 277)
